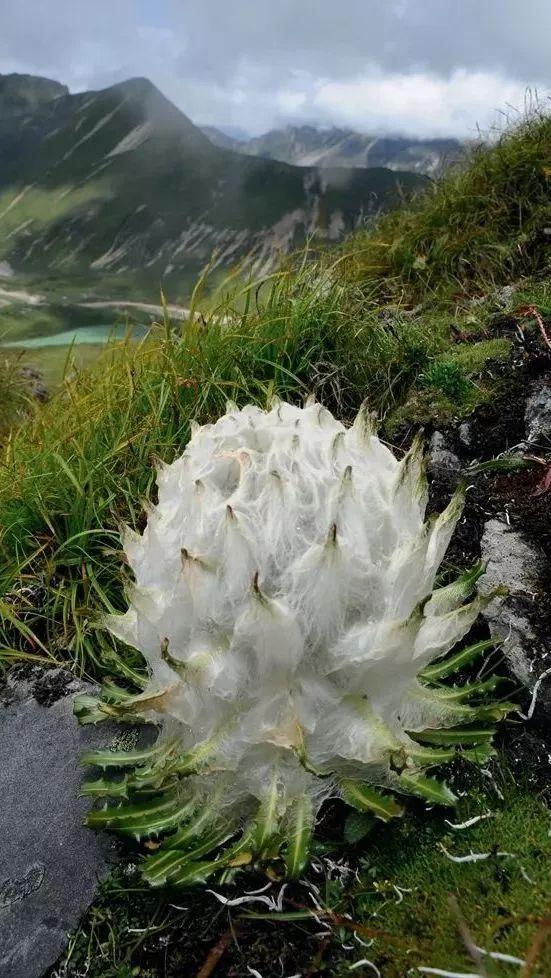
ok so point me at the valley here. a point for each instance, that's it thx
(107, 196)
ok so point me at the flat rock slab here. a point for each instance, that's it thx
(50, 864)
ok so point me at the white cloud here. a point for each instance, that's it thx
(419, 103)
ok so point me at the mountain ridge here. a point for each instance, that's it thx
(308, 145)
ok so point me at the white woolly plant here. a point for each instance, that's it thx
(284, 603)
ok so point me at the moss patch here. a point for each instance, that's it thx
(421, 896)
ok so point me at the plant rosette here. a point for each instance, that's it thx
(297, 646)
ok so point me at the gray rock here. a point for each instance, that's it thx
(465, 432)
(50, 864)
(517, 566)
(443, 465)
(35, 383)
(538, 411)
(504, 295)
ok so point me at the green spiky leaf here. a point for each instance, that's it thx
(169, 863)
(112, 693)
(267, 819)
(299, 830)
(104, 787)
(427, 788)
(447, 599)
(87, 709)
(434, 756)
(142, 819)
(439, 670)
(495, 711)
(130, 758)
(363, 798)
(469, 690)
(455, 735)
(357, 826)
(205, 821)
(195, 873)
(510, 463)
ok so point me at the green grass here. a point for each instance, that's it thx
(500, 899)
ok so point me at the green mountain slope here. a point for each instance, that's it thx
(120, 180)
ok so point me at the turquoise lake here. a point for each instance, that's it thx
(84, 334)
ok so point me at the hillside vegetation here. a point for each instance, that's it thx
(479, 227)
(12, 395)
(408, 315)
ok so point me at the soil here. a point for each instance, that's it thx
(498, 429)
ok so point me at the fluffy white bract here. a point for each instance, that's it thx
(284, 602)
(281, 603)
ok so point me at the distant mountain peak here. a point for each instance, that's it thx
(138, 87)
(155, 109)
(24, 93)
(312, 145)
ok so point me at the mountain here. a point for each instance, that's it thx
(309, 146)
(25, 93)
(120, 181)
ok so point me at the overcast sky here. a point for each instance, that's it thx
(420, 67)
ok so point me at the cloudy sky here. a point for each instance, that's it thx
(419, 67)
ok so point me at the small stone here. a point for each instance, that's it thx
(505, 295)
(538, 411)
(465, 434)
(443, 465)
(35, 383)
